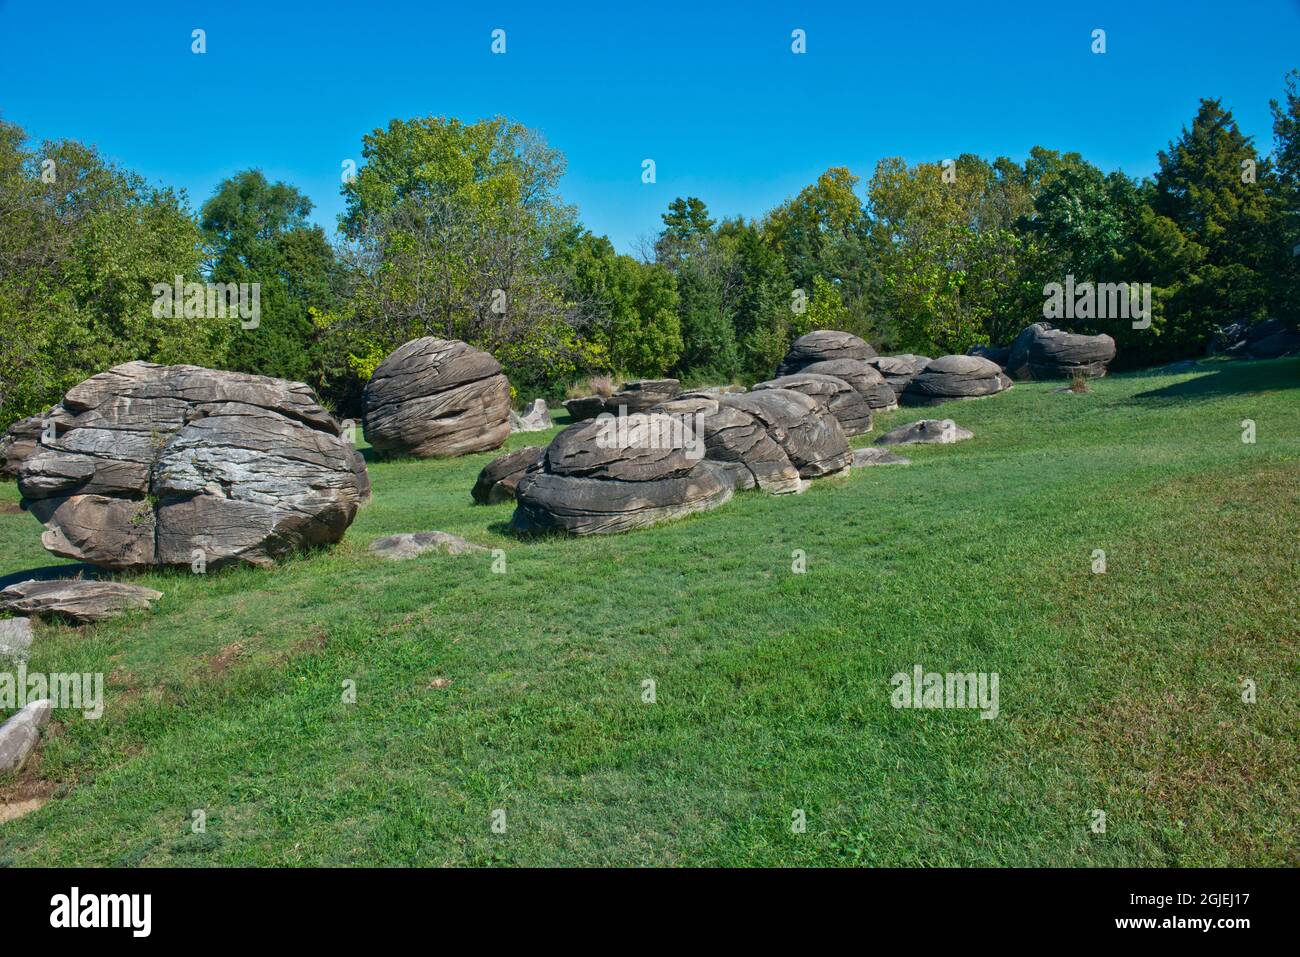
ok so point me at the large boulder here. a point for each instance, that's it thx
(585, 407)
(1017, 364)
(949, 378)
(76, 599)
(639, 395)
(1057, 354)
(820, 346)
(163, 465)
(809, 434)
(499, 478)
(840, 398)
(1269, 339)
(614, 474)
(739, 443)
(434, 398)
(898, 371)
(23, 438)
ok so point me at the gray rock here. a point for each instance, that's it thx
(1057, 354)
(20, 734)
(536, 417)
(898, 371)
(998, 354)
(1283, 343)
(823, 345)
(865, 379)
(15, 638)
(811, 437)
(24, 437)
(497, 482)
(867, 457)
(77, 599)
(412, 544)
(642, 395)
(733, 438)
(584, 407)
(840, 398)
(160, 463)
(1017, 364)
(955, 377)
(434, 398)
(937, 431)
(615, 474)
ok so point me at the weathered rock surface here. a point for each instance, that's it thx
(1017, 364)
(585, 407)
(1270, 339)
(497, 482)
(640, 395)
(938, 431)
(15, 638)
(434, 398)
(866, 457)
(840, 398)
(159, 464)
(20, 734)
(535, 418)
(955, 377)
(24, 437)
(899, 370)
(1057, 354)
(998, 354)
(811, 437)
(822, 345)
(612, 475)
(77, 599)
(739, 443)
(865, 379)
(412, 544)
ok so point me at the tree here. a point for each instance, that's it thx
(1286, 162)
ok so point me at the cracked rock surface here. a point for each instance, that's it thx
(162, 465)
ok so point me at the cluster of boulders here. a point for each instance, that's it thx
(434, 398)
(640, 395)
(842, 355)
(1270, 339)
(173, 465)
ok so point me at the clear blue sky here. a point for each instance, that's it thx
(710, 91)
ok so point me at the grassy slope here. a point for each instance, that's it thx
(1118, 691)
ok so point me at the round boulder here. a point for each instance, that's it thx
(1057, 354)
(865, 379)
(434, 398)
(172, 465)
(840, 398)
(949, 378)
(820, 346)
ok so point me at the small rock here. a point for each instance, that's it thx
(497, 482)
(15, 638)
(79, 599)
(940, 431)
(410, 544)
(864, 457)
(535, 418)
(20, 733)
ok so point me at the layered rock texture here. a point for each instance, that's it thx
(79, 600)
(821, 346)
(950, 378)
(640, 395)
(1041, 352)
(434, 398)
(840, 398)
(1270, 339)
(935, 431)
(499, 478)
(898, 371)
(168, 465)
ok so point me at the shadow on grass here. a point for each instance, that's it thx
(1239, 378)
(52, 572)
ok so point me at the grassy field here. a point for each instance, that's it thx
(522, 691)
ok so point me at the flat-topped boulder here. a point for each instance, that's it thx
(823, 345)
(840, 398)
(436, 398)
(169, 465)
(935, 431)
(76, 599)
(863, 458)
(497, 481)
(866, 380)
(618, 473)
(950, 378)
(1057, 354)
(898, 371)
(413, 544)
(639, 395)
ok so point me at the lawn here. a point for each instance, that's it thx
(523, 691)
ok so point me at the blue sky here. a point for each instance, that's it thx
(710, 91)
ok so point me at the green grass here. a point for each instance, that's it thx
(1118, 692)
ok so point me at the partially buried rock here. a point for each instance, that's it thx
(899, 370)
(77, 599)
(820, 346)
(739, 443)
(535, 418)
(619, 473)
(1057, 354)
(434, 398)
(807, 432)
(412, 544)
(865, 379)
(497, 482)
(939, 431)
(20, 734)
(169, 465)
(866, 457)
(15, 638)
(841, 399)
(951, 378)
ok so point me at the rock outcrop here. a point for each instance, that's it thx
(840, 398)
(951, 378)
(499, 478)
(76, 599)
(898, 371)
(1041, 352)
(1270, 339)
(169, 465)
(435, 398)
(640, 395)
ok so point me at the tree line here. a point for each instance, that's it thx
(458, 230)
